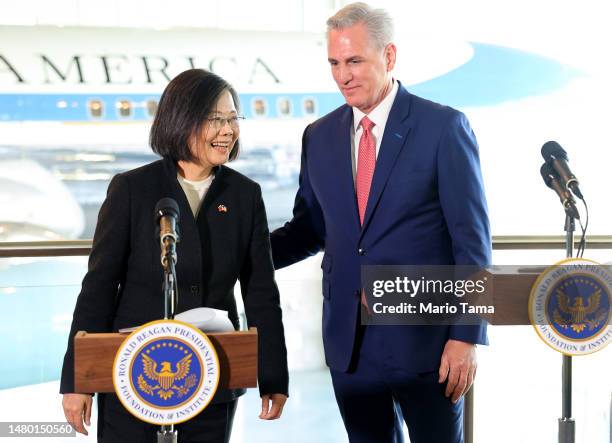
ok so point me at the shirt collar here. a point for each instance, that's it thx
(380, 113)
(207, 181)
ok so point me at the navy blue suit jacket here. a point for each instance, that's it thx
(426, 207)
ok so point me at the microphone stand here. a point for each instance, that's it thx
(169, 288)
(167, 433)
(567, 425)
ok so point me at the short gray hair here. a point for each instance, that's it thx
(377, 21)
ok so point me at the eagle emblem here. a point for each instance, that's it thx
(164, 379)
(579, 316)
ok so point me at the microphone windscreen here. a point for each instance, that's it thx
(166, 206)
(553, 149)
(548, 174)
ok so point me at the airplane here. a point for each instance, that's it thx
(82, 76)
(82, 102)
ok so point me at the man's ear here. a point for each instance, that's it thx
(390, 54)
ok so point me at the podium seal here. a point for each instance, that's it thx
(569, 306)
(166, 372)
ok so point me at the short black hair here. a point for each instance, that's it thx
(185, 104)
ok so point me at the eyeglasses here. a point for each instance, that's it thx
(219, 122)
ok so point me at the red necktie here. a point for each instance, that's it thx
(365, 171)
(365, 165)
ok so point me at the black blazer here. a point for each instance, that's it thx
(122, 287)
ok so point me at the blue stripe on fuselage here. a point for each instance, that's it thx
(76, 107)
(493, 75)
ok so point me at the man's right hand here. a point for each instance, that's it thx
(77, 408)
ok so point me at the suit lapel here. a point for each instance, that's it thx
(394, 138)
(344, 161)
(217, 187)
(177, 193)
(189, 245)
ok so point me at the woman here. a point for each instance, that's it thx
(224, 237)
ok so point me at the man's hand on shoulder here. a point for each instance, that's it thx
(457, 368)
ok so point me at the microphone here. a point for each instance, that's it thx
(167, 216)
(552, 181)
(555, 155)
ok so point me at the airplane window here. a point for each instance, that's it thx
(284, 107)
(259, 107)
(151, 107)
(96, 108)
(124, 108)
(309, 106)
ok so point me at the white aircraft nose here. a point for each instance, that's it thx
(31, 196)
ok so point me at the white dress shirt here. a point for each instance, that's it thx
(378, 116)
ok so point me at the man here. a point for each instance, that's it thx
(388, 178)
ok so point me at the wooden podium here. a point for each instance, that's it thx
(511, 293)
(94, 355)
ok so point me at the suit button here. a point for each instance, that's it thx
(361, 251)
(194, 290)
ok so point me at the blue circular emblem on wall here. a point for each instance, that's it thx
(166, 372)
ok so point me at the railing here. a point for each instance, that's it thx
(65, 248)
(68, 248)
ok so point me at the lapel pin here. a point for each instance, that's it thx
(222, 208)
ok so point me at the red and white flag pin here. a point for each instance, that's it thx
(222, 208)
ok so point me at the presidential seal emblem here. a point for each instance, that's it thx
(569, 306)
(166, 372)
